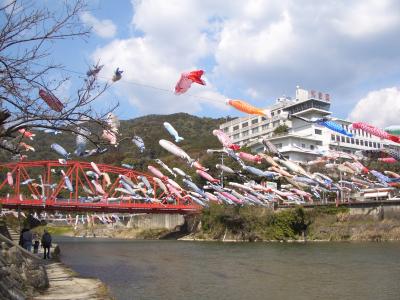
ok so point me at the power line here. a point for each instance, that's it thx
(136, 84)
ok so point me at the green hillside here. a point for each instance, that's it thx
(196, 131)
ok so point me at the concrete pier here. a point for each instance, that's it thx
(155, 221)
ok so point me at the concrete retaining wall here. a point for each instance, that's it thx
(385, 209)
(379, 212)
(153, 221)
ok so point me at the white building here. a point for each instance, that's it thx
(300, 135)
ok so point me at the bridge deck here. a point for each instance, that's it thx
(98, 206)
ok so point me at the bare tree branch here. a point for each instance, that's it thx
(26, 38)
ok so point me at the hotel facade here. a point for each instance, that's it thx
(301, 138)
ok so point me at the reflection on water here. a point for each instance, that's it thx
(211, 270)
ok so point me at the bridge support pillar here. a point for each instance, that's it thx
(155, 221)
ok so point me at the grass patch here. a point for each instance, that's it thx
(254, 223)
(54, 230)
(151, 234)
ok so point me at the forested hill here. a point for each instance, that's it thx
(197, 133)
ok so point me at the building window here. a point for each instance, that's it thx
(374, 144)
(263, 119)
(319, 143)
(379, 145)
(236, 127)
(357, 142)
(352, 140)
(332, 137)
(312, 147)
(236, 136)
(361, 142)
(272, 114)
(245, 133)
(370, 144)
(337, 138)
(303, 145)
(264, 127)
(318, 131)
(342, 139)
(226, 129)
(245, 124)
(255, 121)
(347, 140)
(254, 130)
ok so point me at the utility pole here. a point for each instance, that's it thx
(340, 174)
(222, 171)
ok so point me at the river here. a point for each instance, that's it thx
(214, 270)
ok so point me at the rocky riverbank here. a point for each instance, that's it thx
(21, 276)
(297, 224)
(219, 223)
(24, 275)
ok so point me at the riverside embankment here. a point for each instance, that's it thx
(24, 275)
(225, 223)
(181, 270)
(315, 224)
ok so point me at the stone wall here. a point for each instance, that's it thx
(155, 221)
(20, 276)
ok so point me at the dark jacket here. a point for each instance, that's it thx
(46, 240)
(21, 241)
(27, 237)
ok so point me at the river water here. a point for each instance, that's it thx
(213, 270)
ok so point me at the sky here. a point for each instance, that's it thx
(252, 50)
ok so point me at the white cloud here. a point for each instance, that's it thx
(258, 49)
(103, 28)
(367, 18)
(380, 108)
(252, 93)
(244, 43)
(144, 64)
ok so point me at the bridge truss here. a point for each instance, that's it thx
(40, 185)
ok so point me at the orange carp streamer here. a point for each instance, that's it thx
(247, 108)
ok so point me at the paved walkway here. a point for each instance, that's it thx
(65, 284)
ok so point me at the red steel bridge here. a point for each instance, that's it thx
(40, 185)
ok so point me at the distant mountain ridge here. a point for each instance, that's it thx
(196, 131)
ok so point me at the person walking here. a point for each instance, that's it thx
(21, 240)
(27, 238)
(36, 243)
(46, 244)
